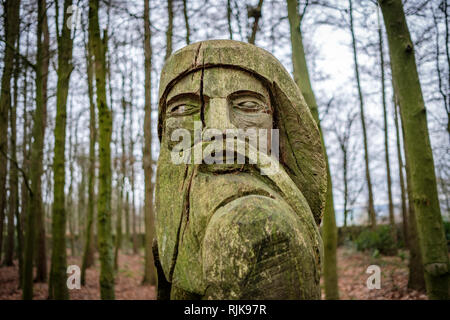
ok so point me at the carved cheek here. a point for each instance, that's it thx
(176, 123)
(258, 120)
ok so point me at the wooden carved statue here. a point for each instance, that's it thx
(237, 230)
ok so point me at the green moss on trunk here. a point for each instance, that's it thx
(301, 77)
(418, 150)
(58, 286)
(88, 252)
(11, 27)
(149, 268)
(105, 244)
(35, 205)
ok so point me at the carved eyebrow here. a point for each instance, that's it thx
(243, 93)
(184, 96)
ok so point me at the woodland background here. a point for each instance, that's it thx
(79, 145)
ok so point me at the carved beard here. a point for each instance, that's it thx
(197, 207)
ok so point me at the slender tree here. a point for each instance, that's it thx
(444, 8)
(69, 199)
(386, 133)
(419, 156)
(99, 47)
(401, 177)
(120, 181)
(444, 94)
(58, 287)
(169, 31)
(127, 219)
(34, 209)
(13, 172)
(343, 138)
(24, 188)
(11, 26)
(149, 269)
(81, 206)
(229, 13)
(186, 22)
(131, 178)
(371, 208)
(88, 252)
(41, 246)
(301, 77)
(237, 16)
(255, 13)
(119, 210)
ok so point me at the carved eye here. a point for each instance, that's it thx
(250, 106)
(183, 109)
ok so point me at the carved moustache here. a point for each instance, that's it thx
(227, 150)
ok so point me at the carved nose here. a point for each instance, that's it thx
(218, 114)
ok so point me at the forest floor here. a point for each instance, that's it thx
(352, 266)
(127, 283)
(352, 276)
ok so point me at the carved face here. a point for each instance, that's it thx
(225, 98)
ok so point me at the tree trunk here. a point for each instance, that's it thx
(118, 242)
(24, 192)
(445, 94)
(41, 257)
(256, 14)
(343, 141)
(128, 105)
(445, 6)
(58, 286)
(11, 24)
(345, 178)
(330, 239)
(186, 22)
(229, 12)
(401, 178)
(371, 208)
(301, 77)
(69, 199)
(416, 279)
(81, 207)
(149, 269)
(13, 172)
(88, 252)
(120, 182)
(127, 221)
(99, 46)
(133, 207)
(386, 136)
(419, 157)
(34, 209)
(169, 32)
